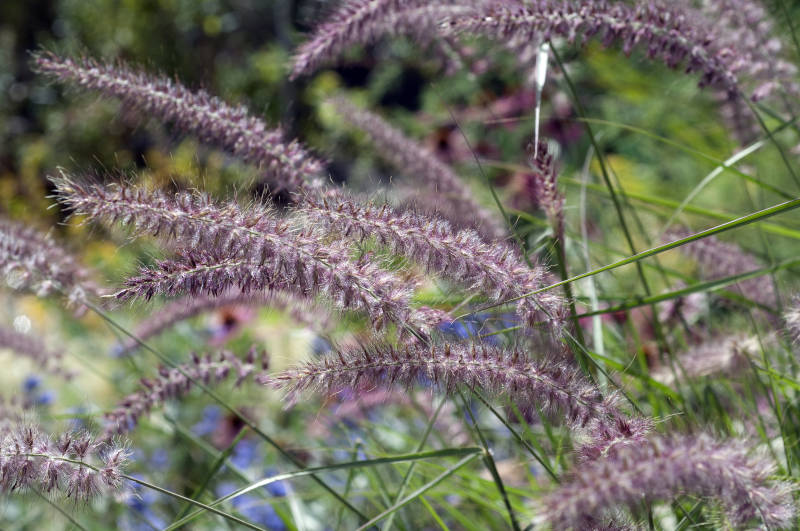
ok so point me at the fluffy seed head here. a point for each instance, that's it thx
(663, 468)
(173, 383)
(29, 458)
(551, 386)
(213, 121)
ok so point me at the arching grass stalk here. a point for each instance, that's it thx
(470, 453)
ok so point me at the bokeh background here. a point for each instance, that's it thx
(240, 51)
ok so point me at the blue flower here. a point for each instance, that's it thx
(279, 488)
(257, 511)
(211, 417)
(245, 454)
(160, 458)
(31, 383)
(45, 398)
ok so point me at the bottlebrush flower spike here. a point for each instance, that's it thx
(303, 310)
(672, 34)
(359, 286)
(32, 347)
(747, 27)
(662, 469)
(543, 185)
(172, 383)
(550, 386)
(718, 259)
(30, 259)
(364, 21)
(494, 269)
(251, 249)
(74, 465)
(213, 121)
(418, 162)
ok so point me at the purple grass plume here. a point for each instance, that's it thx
(551, 386)
(174, 383)
(674, 34)
(302, 310)
(72, 465)
(664, 468)
(666, 32)
(543, 185)
(718, 259)
(287, 164)
(424, 167)
(364, 21)
(251, 249)
(494, 269)
(33, 260)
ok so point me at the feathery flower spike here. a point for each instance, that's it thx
(718, 259)
(550, 386)
(32, 347)
(363, 22)
(662, 469)
(669, 33)
(494, 269)
(172, 384)
(250, 249)
(213, 121)
(725, 355)
(74, 465)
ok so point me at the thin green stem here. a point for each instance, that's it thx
(252, 425)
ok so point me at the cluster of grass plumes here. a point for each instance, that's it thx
(664, 468)
(213, 121)
(494, 269)
(563, 402)
(71, 465)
